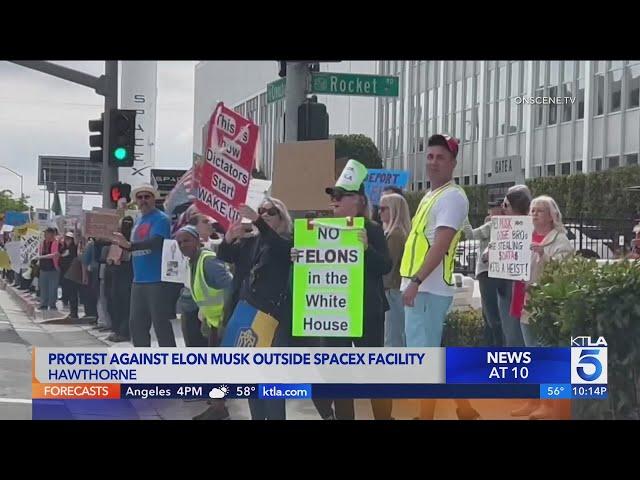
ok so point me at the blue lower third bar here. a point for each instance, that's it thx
(555, 390)
(374, 390)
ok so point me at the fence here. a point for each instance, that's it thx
(600, 238)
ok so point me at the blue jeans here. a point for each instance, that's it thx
(394, 320)
(423, 323)
(48, 284)
(493, 335)
(510, 324)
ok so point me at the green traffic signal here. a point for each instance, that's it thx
(120, 153)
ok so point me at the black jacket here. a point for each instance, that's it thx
(263, 265)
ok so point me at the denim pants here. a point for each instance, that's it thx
(48, 284)
(424, 322)
(394, 320)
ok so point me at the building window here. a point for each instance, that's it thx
(457, 180)
(567, 107)
(553, 107)
(633, 87)
(467, 179)
(579, 166)
(539, 109)
(599, 94)
(565, 168)
(551, 170)
(598, 163)
(613, 161)
(475, 179)
(428, 184)
(615, 90)
(580, 99)
(538, 171)
(631, 159)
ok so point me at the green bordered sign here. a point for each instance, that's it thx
(275, 90)
(355, 84)
(328, 278)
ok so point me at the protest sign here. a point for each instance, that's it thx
(101, 225)
(13, 250)
(224, 177)
(328, 278)
(29, 246)
(378, 179)
(510, 247)
(175, 266)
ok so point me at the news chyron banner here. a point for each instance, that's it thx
(224, 176)
(63, 377)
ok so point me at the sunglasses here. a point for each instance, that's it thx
(143, 197)
(337, 196)
(272, 212)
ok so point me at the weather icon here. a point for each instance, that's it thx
(219, 392)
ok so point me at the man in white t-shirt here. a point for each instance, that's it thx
(429, 257)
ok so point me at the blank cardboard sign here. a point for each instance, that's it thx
(301, 172)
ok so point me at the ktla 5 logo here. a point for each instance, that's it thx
(588, 360)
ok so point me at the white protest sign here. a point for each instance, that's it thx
(13, 250)
(258, 190)
(73, 206)
(29, 247)
(175, 266)
(42, 217)
(510, 247)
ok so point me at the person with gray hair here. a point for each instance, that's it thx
(549, 242)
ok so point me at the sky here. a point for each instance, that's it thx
(45, 115)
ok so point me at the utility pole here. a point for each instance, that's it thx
(105, 85)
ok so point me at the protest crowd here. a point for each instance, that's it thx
(246, 269)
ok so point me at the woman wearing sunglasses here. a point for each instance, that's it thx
(262, 263)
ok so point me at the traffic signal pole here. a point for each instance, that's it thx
(295, 95)
(105, 85)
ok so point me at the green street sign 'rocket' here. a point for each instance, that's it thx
(328, 278)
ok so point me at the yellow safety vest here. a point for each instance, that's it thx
(417, 245)
(209, 300)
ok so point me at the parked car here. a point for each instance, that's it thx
(591, 241)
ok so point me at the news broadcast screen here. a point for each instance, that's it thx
(415, 240)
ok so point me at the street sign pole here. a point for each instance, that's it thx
(295, 95)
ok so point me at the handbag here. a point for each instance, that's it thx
(74, 272)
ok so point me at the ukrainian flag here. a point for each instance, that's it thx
(249, 327)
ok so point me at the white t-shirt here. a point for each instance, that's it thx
(450, 210)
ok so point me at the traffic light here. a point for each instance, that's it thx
(283, 68)
(122, 137)
(120, 190)
(313, 121)
(96, 141)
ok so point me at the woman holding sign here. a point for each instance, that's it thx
(266, 255)
(550, 242)
(347, 199)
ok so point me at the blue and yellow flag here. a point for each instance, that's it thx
(249, 327)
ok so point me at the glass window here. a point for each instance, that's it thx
(459, 119)
(553, 107)
(515, 79)
(633, 87)
(631, 159)
(449, 106)
(539, 109)
(490, 125)
(468, 126)
(580, 99)
(551, 170)
(475, 179)
(554, 73)
(459, 95)
(514, 117)
(467, 179)
(468, 95)
(565, 168)
(613, 161)
(491, 85)
(600, 66)
(502, 83)
(502, 127)
(579, 166)
(567, 74)
(599, 94)
(419, 186)
(615, 64)
(420, 107)
(541, 73)
(430, 104)
(476, 101)
(457, 180)
(615, 90)
(598, 164)
(567, 106)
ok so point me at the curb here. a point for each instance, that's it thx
(22, 298)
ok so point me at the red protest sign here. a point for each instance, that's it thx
(223, 178)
